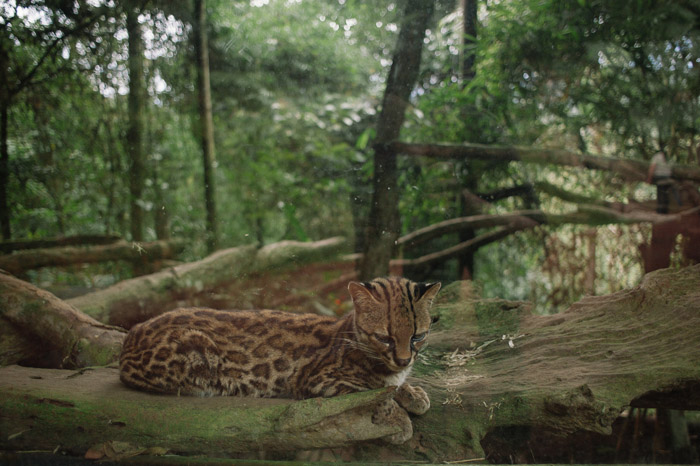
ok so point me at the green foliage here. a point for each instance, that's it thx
(296, 89)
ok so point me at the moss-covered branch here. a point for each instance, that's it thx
(43, 408)
(39, 329)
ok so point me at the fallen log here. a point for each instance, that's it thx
(42, 409)
(131, 301)
(495, 373)
(138, 253)
(505, 370)
(38, 329)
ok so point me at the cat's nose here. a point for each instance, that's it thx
(403, 362)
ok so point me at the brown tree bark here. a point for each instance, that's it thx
(468, 205)
(383, 225)
(137, 115)
(5, 229)
(206, 122)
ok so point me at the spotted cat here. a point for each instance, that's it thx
(284, 355)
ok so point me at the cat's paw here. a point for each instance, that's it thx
(390, 413)
(412, 399)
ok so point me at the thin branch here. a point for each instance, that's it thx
(455, 225)
(466, 246)
(49, 50)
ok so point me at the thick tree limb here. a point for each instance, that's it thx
(567, 372)
(131, 301)
(38, 328)
(631, 170)
(40, 407)
(21, 261)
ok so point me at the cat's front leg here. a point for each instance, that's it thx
(390, 413)
(412, 399)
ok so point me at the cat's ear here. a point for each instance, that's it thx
(428, 292)
(361, 296)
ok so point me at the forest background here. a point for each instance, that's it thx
(296, 90)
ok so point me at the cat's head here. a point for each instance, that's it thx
(392, 318)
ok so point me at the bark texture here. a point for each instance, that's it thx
(137, 116)
(206, 121)
(383, 225)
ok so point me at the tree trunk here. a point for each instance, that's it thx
(131, 301)
(630, 170)
(469, 13)
(206, 122)
(5, 229)
(140, 254)
(41, 330)
(383, 226)
(502, 383)
(468, 205)
(137, 115)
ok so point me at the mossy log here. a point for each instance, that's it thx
(38, 329)
(44, 408)
(132, 301)
(496, 367)
(492, 368)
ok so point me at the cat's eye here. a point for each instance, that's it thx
(384, 339)
(419, 337)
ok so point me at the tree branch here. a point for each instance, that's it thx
(630, 170)
(54, 334)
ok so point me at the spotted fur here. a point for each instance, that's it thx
(277, 354)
